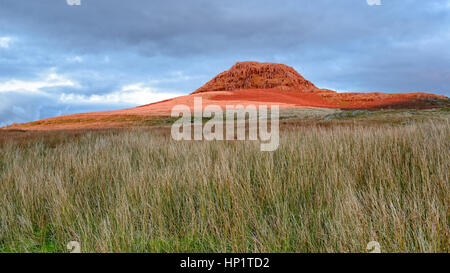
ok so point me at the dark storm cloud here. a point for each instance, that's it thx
(170, 45)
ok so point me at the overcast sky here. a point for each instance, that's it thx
(110, 54)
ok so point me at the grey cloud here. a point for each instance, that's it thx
(18, 107)
(182, 28)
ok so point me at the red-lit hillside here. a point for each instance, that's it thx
(246, 83)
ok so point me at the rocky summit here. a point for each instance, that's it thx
(256, 75)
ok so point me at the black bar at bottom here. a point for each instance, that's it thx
(225, 262)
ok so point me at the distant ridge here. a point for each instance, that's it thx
(256, 75)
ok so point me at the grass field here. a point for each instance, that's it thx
(332, 186)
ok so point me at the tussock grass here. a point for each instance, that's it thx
(324, 190)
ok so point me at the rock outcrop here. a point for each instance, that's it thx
(255, 75)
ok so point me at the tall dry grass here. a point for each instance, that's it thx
(323, 190)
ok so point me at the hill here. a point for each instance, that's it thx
(244, 83)
(255, 75)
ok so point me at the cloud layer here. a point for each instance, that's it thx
(110, 54)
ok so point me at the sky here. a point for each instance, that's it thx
(58, 59)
